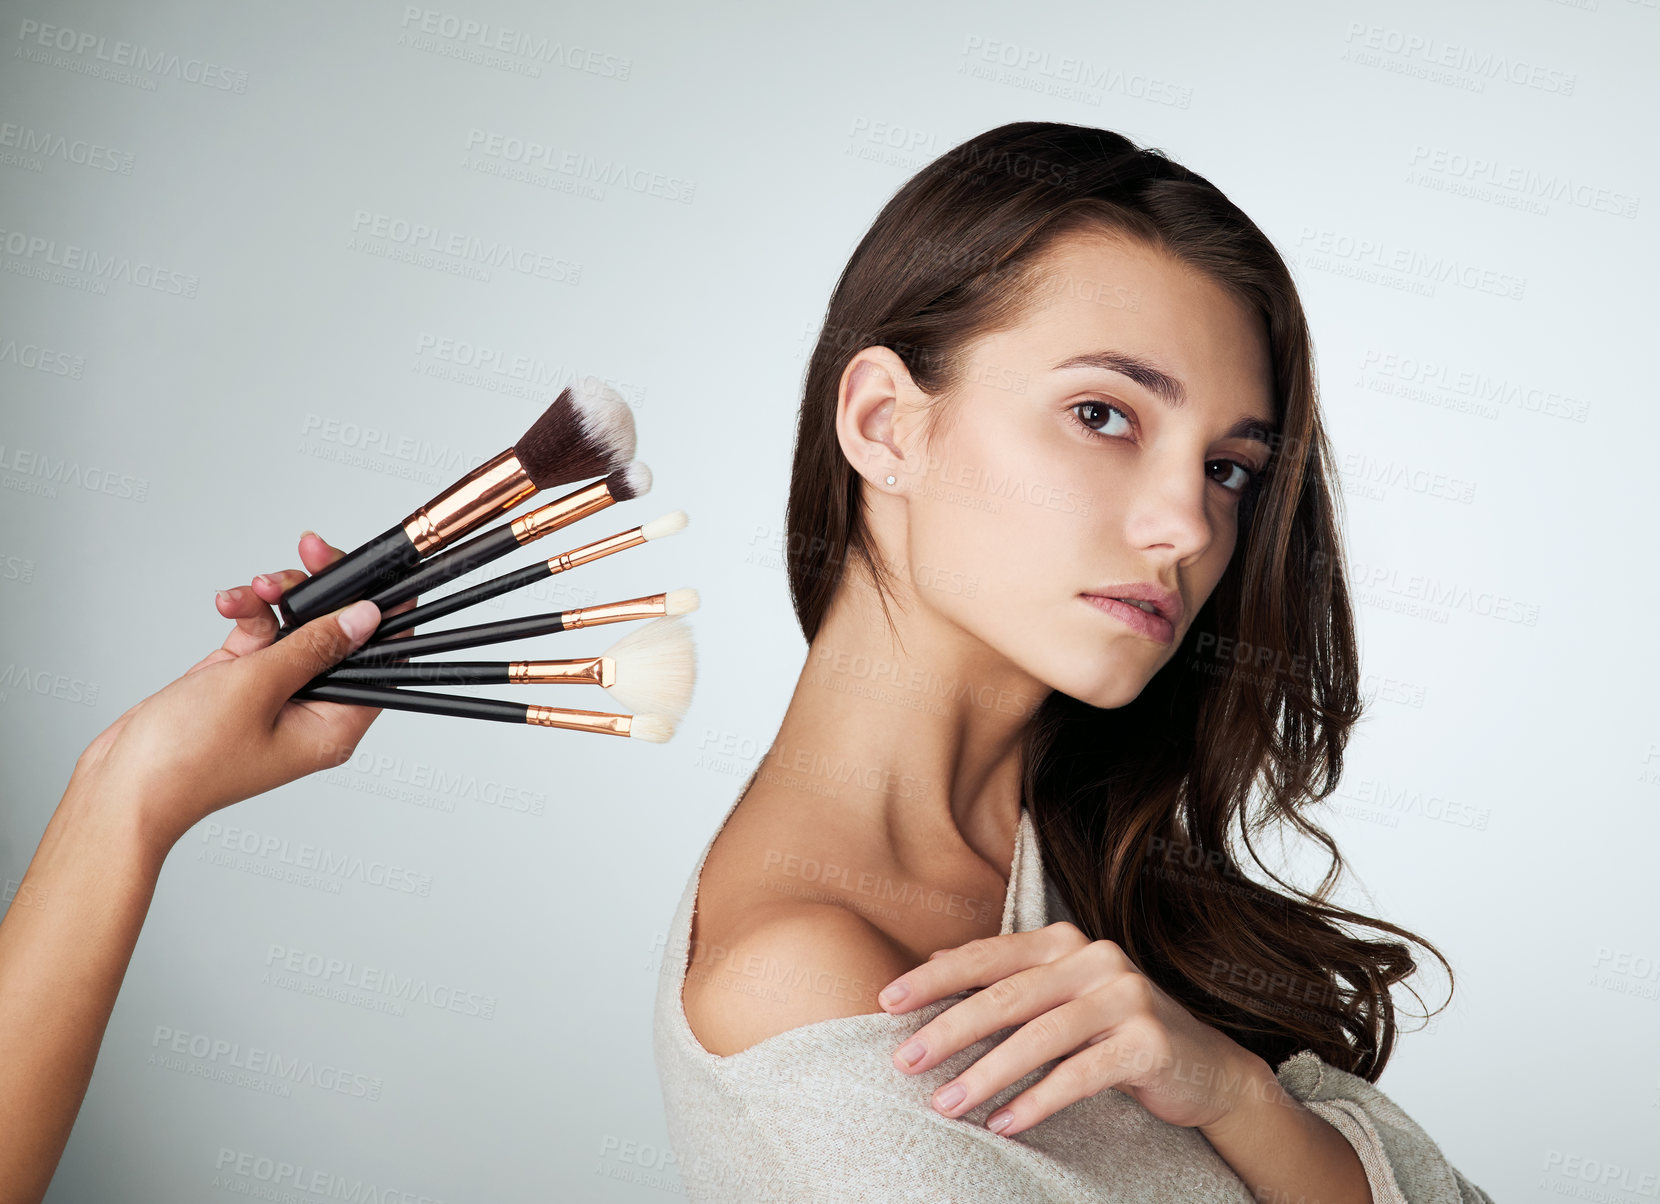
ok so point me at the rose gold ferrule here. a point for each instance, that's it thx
(619, 542)
(487, 491)
(578, 721)
(562, 512)
(648, 607)
(592, 671)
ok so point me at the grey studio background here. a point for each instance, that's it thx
(234, 308)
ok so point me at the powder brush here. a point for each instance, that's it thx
(588, 431)
(651, 669)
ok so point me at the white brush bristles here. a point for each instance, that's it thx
(656, 667)
(671, 522)
(637, 477)
(605, 416)
(680, 601)
(656, 728)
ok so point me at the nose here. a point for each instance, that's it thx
(1171, 511)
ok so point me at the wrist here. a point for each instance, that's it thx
(1254, 1087)
(121, 825)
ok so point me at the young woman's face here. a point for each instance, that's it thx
(1064, 473)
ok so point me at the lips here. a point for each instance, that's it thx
(1166, 602)
(1155, 627)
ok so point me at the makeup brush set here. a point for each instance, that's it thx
(587, 432)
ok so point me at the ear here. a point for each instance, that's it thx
(877, 416)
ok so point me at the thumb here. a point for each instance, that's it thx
(288, 664)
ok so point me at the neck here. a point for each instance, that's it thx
(916, 738)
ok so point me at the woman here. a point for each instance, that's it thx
(1062, 542)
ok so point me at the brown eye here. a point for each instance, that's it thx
(1240, 475)
(1093, 415)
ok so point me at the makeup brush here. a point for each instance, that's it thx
(587, 431)
(631, 481)
(650, 670)
(673, 602)
(655, 728)
(657, 528)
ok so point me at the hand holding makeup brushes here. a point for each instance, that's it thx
(587, 430)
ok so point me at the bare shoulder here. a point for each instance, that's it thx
(764, 960)
(786, 965)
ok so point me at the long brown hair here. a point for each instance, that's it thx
(1134, 805)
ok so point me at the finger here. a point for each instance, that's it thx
(290, 663)
(255, 624)
(1052, 1033)
(1014, 999)
(977, 964)
(272, 586)
(1090, 1071)
(316, 553)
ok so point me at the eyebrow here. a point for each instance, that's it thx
(1164, 386)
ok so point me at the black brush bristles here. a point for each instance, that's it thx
(588, 431)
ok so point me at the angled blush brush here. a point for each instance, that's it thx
(587, 431)
(655, 728)
(651, 669)
(657, 528)
(673, 602)
(631, 481)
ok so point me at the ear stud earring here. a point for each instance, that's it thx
(892, 479)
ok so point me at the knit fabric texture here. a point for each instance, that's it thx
(819, 1113)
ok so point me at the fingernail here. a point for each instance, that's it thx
(1000, 1121)
(951, 1096)
(264, 580)
(221, 597)
(359, 619)
(893, 993)
(911, 1052)
(308, 531)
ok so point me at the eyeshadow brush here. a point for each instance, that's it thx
(655, 728)
(672, 602)
(657, 528)
(631, 481)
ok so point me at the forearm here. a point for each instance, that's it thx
(1283, 1151)
(65, 943)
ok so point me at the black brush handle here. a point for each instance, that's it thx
(431, 673)
(458, 638)
(355, 575)
(447, 566)
(461, 599)
(457, 705)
